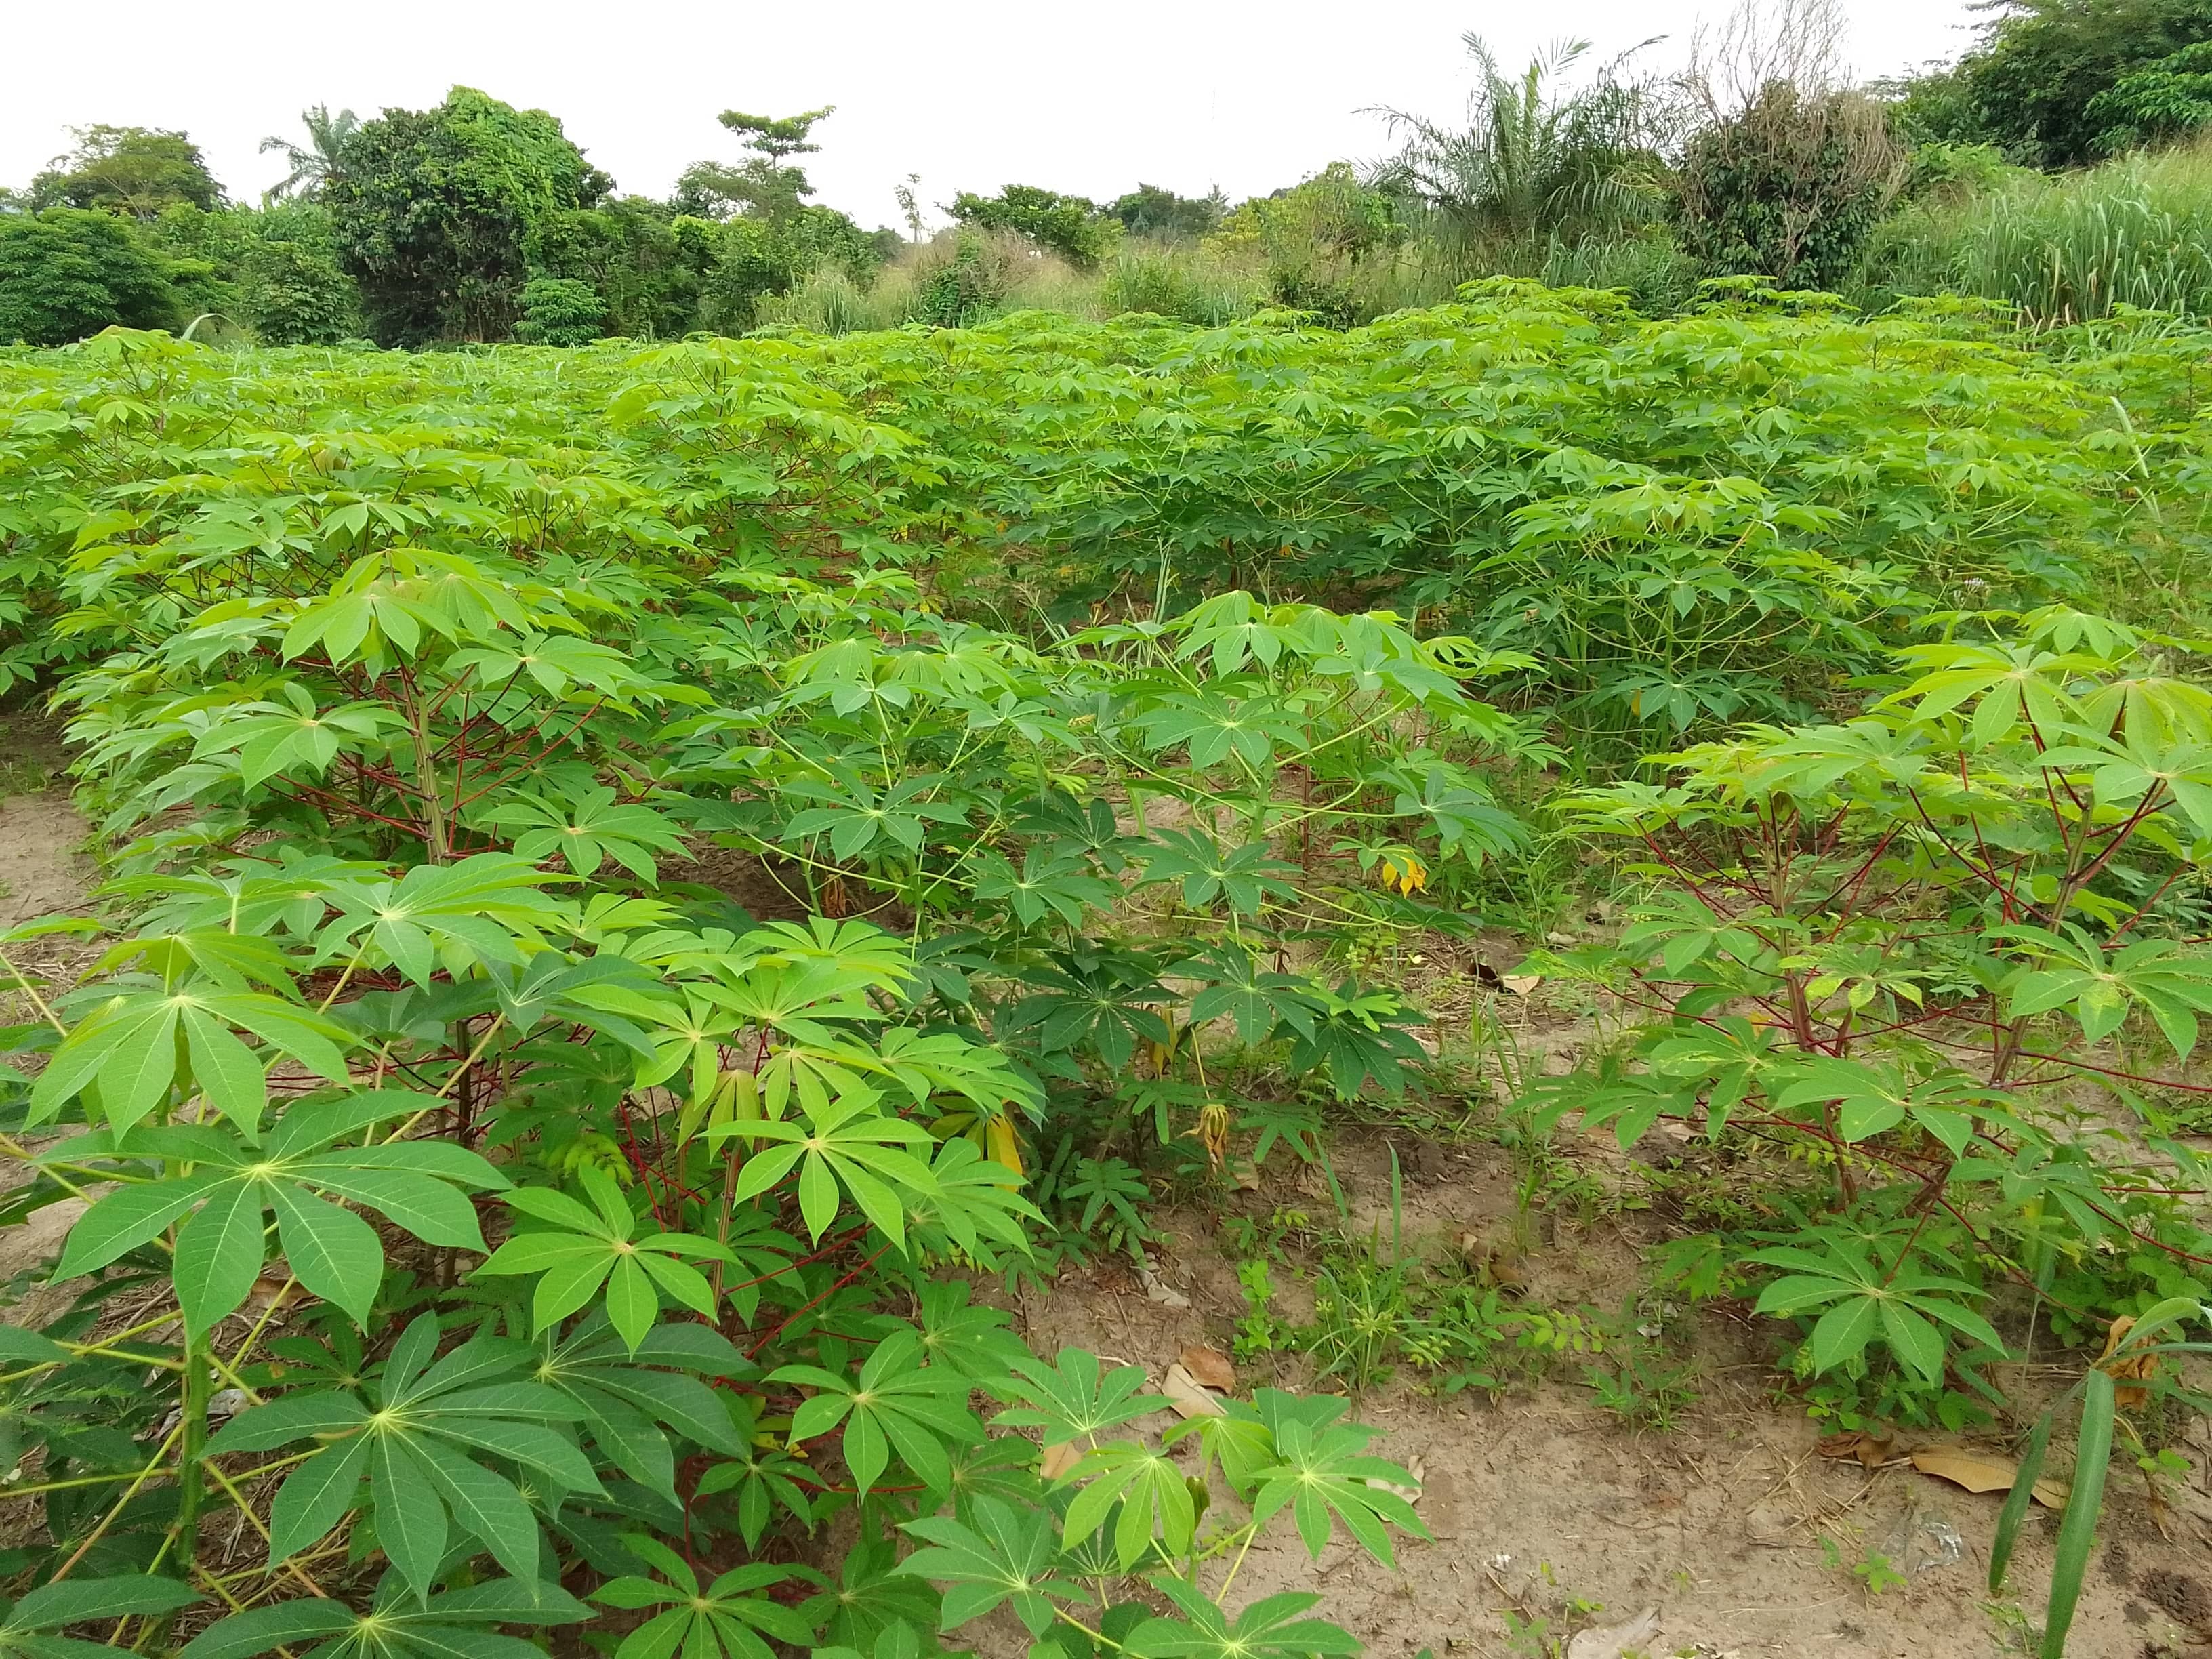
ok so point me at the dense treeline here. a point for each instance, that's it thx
(477, 221)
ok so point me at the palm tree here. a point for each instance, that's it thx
(1530, 162)
(315, 164)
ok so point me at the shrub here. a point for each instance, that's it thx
(559, 310)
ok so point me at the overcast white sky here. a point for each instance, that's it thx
(971, 94)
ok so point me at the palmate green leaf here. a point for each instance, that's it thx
(1356, 1036)
(1049, 884)
(1906, 1307)
(481, 909)
(271, 738)
(1325, 1475)
(1871, 1100)
(412, 1442)
(461, 1624)
(1153, 1494)
(1273, 1627)
(2171, 981)
(223, 1211)
(896, 1403)
(1071, 1399)
(763, 1476)
(1096, 998)
(1247, 876)
(976, 1202)
(129, 1049)
(584, 832)
(1005, 1556)
(857, 818)
(848, 1144)
(634, 1402)
(872, 1599)
(723, 1619)
(978, 1342)
(1214, 728)
(596, 1253)
(1237, 989)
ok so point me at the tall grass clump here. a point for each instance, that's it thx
(2136, 231)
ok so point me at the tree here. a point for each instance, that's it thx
(2043, 82)
(762, 186)
(1149, 210)
(136, 170)
(313, 165)
(69, 272)
(2171, 99)
(1530, 160)
(1074, 227)
(443, 214)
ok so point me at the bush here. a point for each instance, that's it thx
(1791, 186)
(69, 272)
(559, 310)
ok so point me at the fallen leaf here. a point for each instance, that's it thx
(1872, 1450)
(1612, 1641)
(1977, 1471)
(1521, 984)
(1189, 1399)
(1059, 1459)
(1981, 1471)
(1157, 1290)
(1210, 1367)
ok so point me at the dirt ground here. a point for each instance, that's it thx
(1543, 1505)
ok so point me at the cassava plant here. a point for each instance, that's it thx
(1949, 955)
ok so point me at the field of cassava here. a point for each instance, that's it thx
(1520, 981)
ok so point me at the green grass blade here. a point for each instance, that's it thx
(2015, 1504)
(2077, 1530)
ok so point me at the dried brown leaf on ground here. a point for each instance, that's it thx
(1870, 1449)
(1210, 1367)
(1981, 1471)
(1188, 1396)
(1059, 1459)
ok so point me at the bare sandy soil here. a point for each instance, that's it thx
(1730, 1527)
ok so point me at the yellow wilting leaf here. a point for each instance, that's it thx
(2130, 1376)
(1404, 871)
(1004, 1147)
